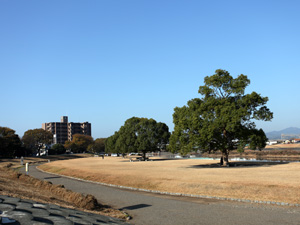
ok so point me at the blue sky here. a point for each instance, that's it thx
(104, 61)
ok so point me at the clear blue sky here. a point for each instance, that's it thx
(104, 61)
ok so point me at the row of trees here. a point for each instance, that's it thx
(222, 119)
(33, 141)
(82, 143)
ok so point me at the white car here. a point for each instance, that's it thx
(134, 153)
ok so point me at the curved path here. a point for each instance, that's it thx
(154, 209)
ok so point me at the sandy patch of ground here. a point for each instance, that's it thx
(268, 182)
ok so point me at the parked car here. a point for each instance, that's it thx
(134, 153)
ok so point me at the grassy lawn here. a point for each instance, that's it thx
(264, 181)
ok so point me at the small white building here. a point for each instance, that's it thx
(272, 142)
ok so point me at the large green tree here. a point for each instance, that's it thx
(79, 143)
(10, 143)
(223, 119)
(139, 135)
(35, 139)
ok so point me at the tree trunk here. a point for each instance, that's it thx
(39, 151)
(144, 156)
(225, 152)
(224, 159)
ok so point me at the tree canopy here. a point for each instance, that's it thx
(138, 135)
(79, 143)
(35, 139)
(10, 143)
(223, 119)
(98, 146)
(57, 149)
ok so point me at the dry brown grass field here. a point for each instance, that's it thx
(284, 146)
(278, 182)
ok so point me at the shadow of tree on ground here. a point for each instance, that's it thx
(133, 207)
(239, 164)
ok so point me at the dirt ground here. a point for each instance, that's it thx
(22, 186)
(255, 181)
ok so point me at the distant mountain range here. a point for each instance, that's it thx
(288, 131)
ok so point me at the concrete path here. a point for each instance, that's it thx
(154, 209)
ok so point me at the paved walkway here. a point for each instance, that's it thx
(151, 209)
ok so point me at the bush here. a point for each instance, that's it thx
(57, 149)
